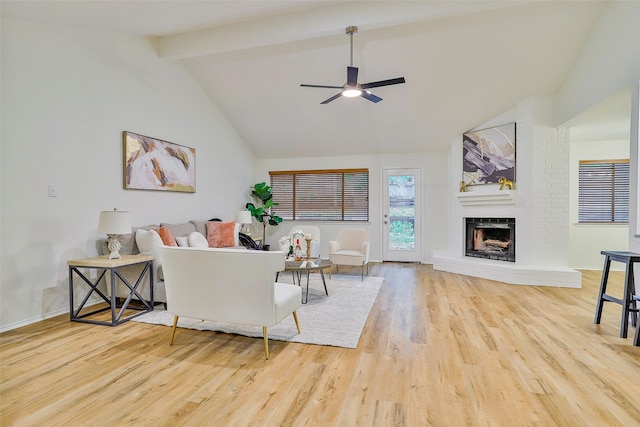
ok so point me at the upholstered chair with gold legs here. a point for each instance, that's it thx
(350, 247)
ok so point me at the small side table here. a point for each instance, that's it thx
(628, 300)
(104, 264)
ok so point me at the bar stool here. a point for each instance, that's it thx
(628, 301)
(636, 340)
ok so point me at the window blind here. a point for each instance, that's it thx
(603, 191)
(322, 195)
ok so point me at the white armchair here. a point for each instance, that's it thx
(228, 285)
(350, 247)
(315, 242)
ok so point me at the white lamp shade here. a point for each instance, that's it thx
(243, 217)
(114, 222)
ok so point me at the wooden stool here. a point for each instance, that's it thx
(628, 300)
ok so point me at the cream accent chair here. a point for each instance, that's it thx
(315, 242)
(350, 247)
(228, 285)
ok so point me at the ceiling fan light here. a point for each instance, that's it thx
(351, 92)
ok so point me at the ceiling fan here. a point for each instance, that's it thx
(352, 88)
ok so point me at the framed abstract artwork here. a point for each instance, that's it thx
(154, 164)
(489, 155)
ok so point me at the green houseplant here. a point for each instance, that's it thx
(263, 195)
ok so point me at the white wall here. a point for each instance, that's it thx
(587, 240)
(609, 63)
(435, 196)
(67, 95)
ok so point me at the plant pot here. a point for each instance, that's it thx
(266, 247)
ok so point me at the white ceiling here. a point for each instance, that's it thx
(464, 62)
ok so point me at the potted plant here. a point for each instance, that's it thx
(263, 195)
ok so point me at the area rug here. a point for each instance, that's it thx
(335, 320)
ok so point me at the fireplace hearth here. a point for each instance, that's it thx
(491, 238)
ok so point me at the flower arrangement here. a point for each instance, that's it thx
(285, 240)
(285, 245)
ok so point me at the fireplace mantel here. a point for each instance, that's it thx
(479, 198)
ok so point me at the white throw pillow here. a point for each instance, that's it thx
(183, 242)
(236, 236)
(197, 240)
(148, 242)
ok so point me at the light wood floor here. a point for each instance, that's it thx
(438, 349)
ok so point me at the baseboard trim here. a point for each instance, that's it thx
(42, 317)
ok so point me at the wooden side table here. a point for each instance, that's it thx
(628, 301)
(103, 264)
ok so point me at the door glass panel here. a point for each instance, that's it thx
(401, 212)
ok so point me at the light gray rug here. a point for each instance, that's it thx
(336, 320)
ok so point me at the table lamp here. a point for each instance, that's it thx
(113, 223)
(244, 218)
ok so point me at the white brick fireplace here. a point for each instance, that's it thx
(539, 204)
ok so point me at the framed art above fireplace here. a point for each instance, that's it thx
(489, 155)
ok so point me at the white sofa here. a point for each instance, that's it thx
(228, 285)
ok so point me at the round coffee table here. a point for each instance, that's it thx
(296, 272)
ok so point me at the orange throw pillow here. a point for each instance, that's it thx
(221, 234)
(166, 236)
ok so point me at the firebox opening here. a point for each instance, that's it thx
(491, 238)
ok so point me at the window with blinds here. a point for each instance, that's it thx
(322, 195)
(603, 191)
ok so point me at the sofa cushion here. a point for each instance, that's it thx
(181, 229)
(200, 226)
(166, 236)
(183, 241)
(221, 234)
(197, 240)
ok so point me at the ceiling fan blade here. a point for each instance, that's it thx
(322, 86)
(383, 83)
(352, 76)
(326, 101)
(371, 97)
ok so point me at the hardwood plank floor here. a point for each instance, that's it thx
(438, 349)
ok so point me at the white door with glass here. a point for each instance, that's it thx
(401, 216)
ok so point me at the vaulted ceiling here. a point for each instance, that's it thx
(464, 62)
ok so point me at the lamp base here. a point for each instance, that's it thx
(246, 229)
(114, 246)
